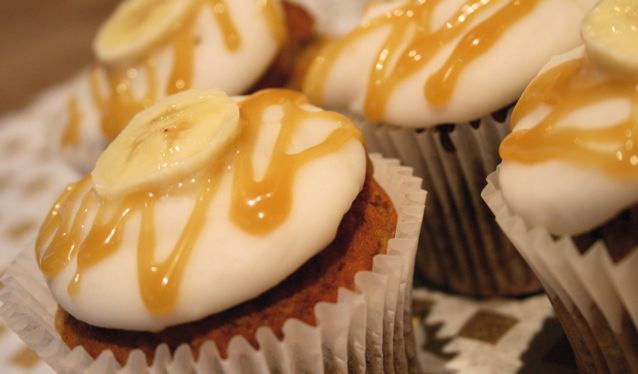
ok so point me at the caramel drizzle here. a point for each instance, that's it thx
(567, 88)
(61, 230)
(71, 132)
(181, 75)
(413, 42)
(261, 206)
(257, 207)
(221, 13)
(120, 105)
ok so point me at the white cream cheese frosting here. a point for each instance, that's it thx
(494, 78)
(227, 264)
(562, 196)
(228, 52)
(334, 18)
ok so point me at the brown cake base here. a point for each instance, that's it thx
(362, 234)
(619, 350)
(620, 235)
(587, 294)
(598, 349)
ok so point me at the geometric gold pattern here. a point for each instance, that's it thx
(24, 358)
(487, 326)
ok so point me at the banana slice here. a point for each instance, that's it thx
(136, 26)
(172, 139)
(610, 32)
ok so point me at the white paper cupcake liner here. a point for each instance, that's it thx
(461, 247)
(595, 298)
(366, 331)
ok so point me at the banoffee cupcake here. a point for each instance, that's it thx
(226, 234)
(432, 83)
(566, 192)
(148, 49)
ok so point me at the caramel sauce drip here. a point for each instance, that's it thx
(181, 75)
(261, 206)
(275, 20)
(71, 133)
(439, 87)
(413, 42)
(159, 282)
(258, 207)
(232, 40)
(120, 105)
(566, 89)
(61, 233)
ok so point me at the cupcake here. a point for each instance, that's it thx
(566, 193)
(235, 234)
(432, 84)
(150, 49)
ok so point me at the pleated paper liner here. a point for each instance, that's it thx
(461, 248)
(594, 295)
(366, 331)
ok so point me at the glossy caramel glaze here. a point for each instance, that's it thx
(119, 104)
(71, 132)
(567, 88)
(257, 206)
(413, 42)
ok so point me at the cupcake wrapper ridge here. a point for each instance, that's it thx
(594, 298)
(376, 315)
(461, 247)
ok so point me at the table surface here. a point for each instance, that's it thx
(43, 43)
